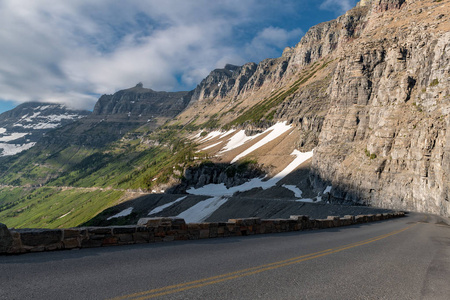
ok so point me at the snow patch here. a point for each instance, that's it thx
(2, 130)
(298, 192)
(202, 210)
(213, 134)
(30, 118)
(307, 200)
(163, 207)
(328, 189)
(275, 131)
(222, 190)
(237, 140)
(11, 149)
(123, 213)
(12, 137)
(211, 146)
(64, 215)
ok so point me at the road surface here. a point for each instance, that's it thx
(406, 258)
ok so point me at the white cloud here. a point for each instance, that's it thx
(70, 51)
(339, 6)
(267, 42)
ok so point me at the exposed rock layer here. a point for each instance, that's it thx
(379, 118)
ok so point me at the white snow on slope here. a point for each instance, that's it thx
(328, 189)
(275, 131)
(123, 213)
(202, 210)
(39, 126)
(2, 130)
(211, 146)
(163, 207)
(210, 136)
(11, 149)
(239, 139)
(12, 137)
(222, 190)
(298, 192)
(27, 118)
(307, 200)
(218, 134)
(64, 215)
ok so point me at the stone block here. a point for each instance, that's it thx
(6, 239)
(72, 233)
(335, 219)
(324, 223)
(123, 229)
(299, 217)
(168, 238)
(99, 230)
(124, 238)
(361, 219)
(53, 247)
(90, 243)
(204, 233)
(346, 221)
(350, 217)
(71, 243)
(38, 237)
(245, 221)
(141, 237)
(155, 222)
(17, 246)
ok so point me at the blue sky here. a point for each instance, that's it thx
(73, 51)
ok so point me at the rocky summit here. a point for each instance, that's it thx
(356, 114)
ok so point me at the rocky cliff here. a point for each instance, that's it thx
(370, 91)
(139, 103)
(384, 141)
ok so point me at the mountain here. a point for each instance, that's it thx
(356, 113)
(23, 126)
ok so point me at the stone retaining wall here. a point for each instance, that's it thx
(151, 230)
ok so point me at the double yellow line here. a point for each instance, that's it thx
(250, 271)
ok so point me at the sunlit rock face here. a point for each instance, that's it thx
(384, 140)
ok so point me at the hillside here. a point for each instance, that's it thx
(356, 113)
(23, 126)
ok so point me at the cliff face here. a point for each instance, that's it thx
(141, 103)
(384, 140)
(370, 91)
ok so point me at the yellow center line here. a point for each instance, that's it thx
(250, 271)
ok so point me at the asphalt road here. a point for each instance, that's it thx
(407, 258)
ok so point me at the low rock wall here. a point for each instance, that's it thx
(151, 230)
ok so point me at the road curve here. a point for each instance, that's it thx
(406, 258)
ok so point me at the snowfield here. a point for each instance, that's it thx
(11, 149)
(275, 131)
(221, 190)
(202, 210)
(237, 140)
(123, 213)
(211, 146)
(12, 137)
(298, 192)
(163, 207)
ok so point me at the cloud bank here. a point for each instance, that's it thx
(73, 51)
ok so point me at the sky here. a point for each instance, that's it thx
(73, 51)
